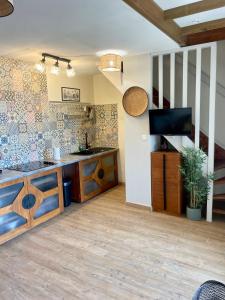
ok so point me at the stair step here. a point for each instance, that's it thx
(219, 173)
(219, 181)
(219, 211)
(220, 197)
(219, 164)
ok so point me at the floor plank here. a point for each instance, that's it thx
(104, 249)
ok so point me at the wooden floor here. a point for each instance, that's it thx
(105, 249)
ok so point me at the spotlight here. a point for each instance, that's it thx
(55, 68)
(70, 71)
(40, 67)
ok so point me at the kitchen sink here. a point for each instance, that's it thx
(92, 151)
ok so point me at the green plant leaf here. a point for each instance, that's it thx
(195, 182)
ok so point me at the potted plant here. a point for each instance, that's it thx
(196, 183)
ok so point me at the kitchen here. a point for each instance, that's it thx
(90, 207)
(42, 137)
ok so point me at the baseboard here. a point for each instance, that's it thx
(139, 206)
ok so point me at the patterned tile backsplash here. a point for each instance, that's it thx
(106, 125)
(30, 125)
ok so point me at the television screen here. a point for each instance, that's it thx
(176, 121)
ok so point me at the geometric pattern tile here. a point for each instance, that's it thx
(106, 126)
(30, 126)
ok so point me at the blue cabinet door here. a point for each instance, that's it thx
(97, 175)
(46, 187)
(14, 215)
(29, 201)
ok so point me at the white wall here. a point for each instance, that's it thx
(82, 82)
(138, 143)
(137, 148)
(106, 93)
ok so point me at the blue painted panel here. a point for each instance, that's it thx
(10, 222)
(45, 183)
(28, 201)
(108, 161)
(110, 177)
(8, 194)
(90, 186)
(88, 169)
(49, 204)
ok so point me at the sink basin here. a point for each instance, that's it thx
(92, 151)
(83, 152)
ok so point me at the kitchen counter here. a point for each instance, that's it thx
(9, 175)
(70, 159)
(31, 198)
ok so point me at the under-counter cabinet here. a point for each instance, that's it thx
(29, 201)
(93, 176)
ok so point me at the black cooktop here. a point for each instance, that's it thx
(32, 166)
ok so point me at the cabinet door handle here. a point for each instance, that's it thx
(164, 181)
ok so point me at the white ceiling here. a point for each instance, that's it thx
(206, 16)
(74, 28)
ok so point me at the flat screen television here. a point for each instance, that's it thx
(175, 121)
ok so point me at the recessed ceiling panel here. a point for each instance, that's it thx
(165, 4)
(194, 19)
(214, 14)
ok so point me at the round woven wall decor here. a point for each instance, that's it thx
(135, 101)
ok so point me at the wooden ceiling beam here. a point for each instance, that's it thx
(193, 8)
(202, 27)
(206, 37)
(154, 14)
